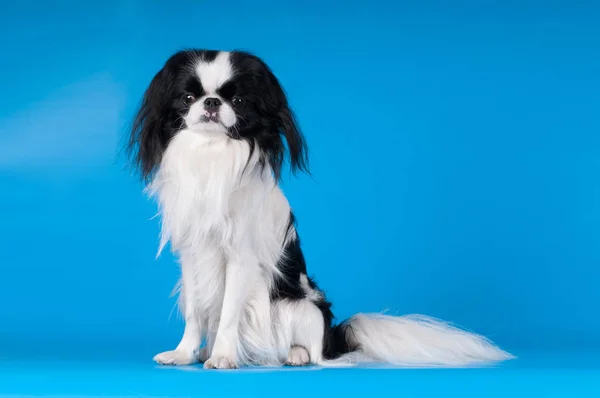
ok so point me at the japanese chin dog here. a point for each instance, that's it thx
(210, 140)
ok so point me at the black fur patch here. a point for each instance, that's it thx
(292, 266)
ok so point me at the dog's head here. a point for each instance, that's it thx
(228, 95)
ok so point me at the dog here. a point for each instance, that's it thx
(210, 140)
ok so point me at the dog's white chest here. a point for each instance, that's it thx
(198, 181)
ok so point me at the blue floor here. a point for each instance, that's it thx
(532, 375)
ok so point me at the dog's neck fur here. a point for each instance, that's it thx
(211, 187)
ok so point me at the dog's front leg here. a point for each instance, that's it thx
(240, 276)
(187, 350)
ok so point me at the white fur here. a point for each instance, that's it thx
(216, 73)
(417, 340)
(298, 356)
(227, 220)
(227, 228)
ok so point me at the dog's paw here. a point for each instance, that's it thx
(175, 357)
(219, 363)
(298, 356)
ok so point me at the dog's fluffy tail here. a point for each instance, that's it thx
(411, 340)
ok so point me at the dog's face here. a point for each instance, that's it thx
(232, 95)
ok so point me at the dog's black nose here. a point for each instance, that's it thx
(212, 103)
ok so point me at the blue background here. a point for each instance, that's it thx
(455, 148)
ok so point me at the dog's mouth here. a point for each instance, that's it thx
(210, 118)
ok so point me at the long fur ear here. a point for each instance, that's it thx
(289, 129)
(148, 137)
(297, 149)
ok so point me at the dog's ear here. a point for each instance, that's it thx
(148, 137)
(288, 128)
(296, 144)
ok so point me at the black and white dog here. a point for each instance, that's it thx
(209, 140)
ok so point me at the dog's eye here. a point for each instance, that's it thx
(188, 99)
(237, 101)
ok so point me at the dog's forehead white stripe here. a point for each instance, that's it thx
(215, 73)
